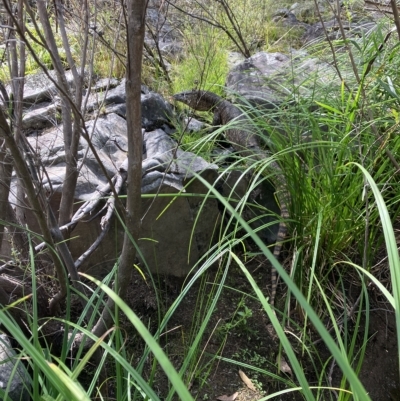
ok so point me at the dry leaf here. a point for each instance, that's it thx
(228, 397)
(283, 366)
(246, 381)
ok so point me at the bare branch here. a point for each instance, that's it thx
(396, 16)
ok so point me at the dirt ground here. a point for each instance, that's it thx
(239, 331)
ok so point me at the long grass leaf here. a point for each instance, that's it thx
(120, 359)
(319, 326)
(38, 358)
(391, 247)
(77, 393)
(150, 341)
(298, 370)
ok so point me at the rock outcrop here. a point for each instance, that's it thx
(176, 229)
(13, 376)
(271, 78)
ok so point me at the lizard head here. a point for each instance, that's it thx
(195, 99)
(187, 97)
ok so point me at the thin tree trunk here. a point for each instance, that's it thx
(14, 105)
(17, 69)
(68, 193)
(71, 127)
(5, 181)
(136, 11)
(37, 203)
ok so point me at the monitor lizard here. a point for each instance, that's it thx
(246, 143)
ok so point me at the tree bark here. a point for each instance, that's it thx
(36, 201)
(71, 126)
(136, 11)
(17, 60)
(5, 181)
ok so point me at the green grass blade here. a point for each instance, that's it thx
(391, 246)
(298, 370)
(342, 361)
(195, 344)
(150, 341)
(63, 385)
(144, 386)
(76, 392)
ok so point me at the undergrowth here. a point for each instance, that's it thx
(336, 148)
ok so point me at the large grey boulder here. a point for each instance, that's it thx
(177, 226)
(176, 230)
(271, 78)
(13, 374)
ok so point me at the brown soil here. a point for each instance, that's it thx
(239, 331)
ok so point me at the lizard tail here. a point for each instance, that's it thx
(277, 250)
